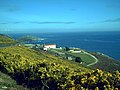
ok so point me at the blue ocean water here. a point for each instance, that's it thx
(104, 42)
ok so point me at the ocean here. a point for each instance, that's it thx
(105, 42)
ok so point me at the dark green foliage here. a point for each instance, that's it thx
(7, 83)
(67, 49)
(78, 59)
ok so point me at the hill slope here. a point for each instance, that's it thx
(43, 71)
(28, 66)
(106, 63)
(30, 54)
(7, 83)
(4, 39)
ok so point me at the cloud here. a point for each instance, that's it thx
(10, 8)
(112, 20)
(36, 22)
(3, 23)
(10, 22)
(16, 22)
(13, 9)
(106, 21)
(73, 9)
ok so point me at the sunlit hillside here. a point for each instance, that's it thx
(4, 39)
(40, 70)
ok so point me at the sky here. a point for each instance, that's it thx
(59, 15)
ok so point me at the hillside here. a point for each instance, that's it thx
(7, 83)
(4, 39)
(16, 61)
(106, 63)
(43, 71)
(89, 59)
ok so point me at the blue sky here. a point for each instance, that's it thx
(59, 15)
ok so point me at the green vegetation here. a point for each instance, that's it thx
(103, 62)
(106, 63)
(6, 82)
(85, 58)
(78, 59)
(28, 66)
(29, 39)
(4, 39)
(67, 48)
(43, 71)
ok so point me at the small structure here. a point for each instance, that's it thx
(74, 51)
(49, 46)
(69, 58)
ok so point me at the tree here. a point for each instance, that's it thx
(67, 49)
(78, 59)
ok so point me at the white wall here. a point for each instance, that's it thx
(50, 46)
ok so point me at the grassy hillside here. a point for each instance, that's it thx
(4, 39)
(43, 71)
(87, 59)
(28, 66)
(33, 55)
(106, 63)
(91, 60)
(7, 83)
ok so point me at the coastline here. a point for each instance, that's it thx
(109, 46)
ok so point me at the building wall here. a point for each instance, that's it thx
(50, 46)
(46, 47)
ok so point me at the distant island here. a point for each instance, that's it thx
(29, 39)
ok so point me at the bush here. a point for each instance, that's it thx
(50, 75)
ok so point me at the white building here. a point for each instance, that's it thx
(73, 51)
(48, 46)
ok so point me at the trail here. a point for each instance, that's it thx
(96, 60)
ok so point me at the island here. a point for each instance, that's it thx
(29, 38)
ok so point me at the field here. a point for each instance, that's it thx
(86, 58)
